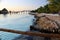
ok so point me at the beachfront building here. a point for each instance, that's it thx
(4, 11)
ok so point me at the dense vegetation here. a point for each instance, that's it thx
(52, 7)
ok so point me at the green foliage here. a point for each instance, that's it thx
(52, 7)
(44, 9)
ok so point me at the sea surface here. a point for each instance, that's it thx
(20, 21)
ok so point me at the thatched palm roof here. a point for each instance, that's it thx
(48, 22)
(4, 9)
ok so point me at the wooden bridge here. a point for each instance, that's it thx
(31, 33)
(19, 12)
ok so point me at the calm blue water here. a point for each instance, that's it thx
(15, 22)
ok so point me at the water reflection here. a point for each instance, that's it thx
(15, 22)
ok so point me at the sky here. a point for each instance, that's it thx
(16, 5)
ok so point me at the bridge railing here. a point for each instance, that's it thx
(31, 33)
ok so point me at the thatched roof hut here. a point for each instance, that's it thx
(48, 22)
(4, 11)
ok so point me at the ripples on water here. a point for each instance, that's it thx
(15, 22)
